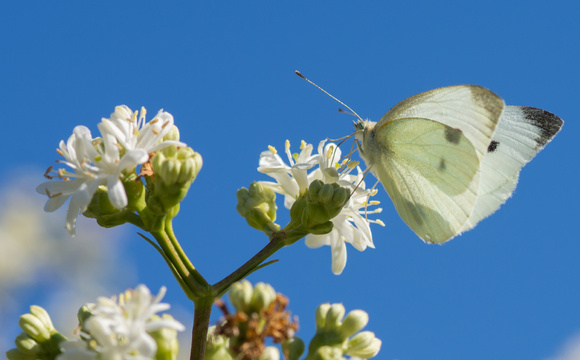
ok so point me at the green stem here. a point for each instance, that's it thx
(194, 275)
(196, 283)
(200, 327)
(277, 241)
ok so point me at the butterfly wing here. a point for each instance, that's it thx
(470, 108)
(521, 133)
(431, 180)
(426, 151)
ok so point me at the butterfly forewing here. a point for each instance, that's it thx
(521, 133)
(470, 108)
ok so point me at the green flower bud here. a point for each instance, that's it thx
(101, 209)
(270, 353)
(27, 345)
(320, 315)
(166, 339)
(334, 316)
(264, 294)
(176, 167)
(83, 314)
(241, 295)
(324, 202)
(258, 205)
(354, 322)
(364, 345)
(173, 134)
(174, 170)
(34, 327)
(42, 315)
(332, 332)
(293, 348)
(251, 300)
(217, 346)
(39, 341)
(15, 354)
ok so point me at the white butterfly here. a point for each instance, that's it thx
(450, 157)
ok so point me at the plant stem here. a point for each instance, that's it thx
(194, 275)
(200, 327)
(277, 241)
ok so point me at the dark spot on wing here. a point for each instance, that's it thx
(452, 135)
(493, 145)
(548, 123)
(442, 165)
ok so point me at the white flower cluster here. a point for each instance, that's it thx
(352, 224)
(126, 142)
(120, 329)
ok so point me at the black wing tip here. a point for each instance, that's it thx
(549, 123)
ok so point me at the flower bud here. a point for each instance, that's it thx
(293, 348)
(320, 315)
(241, 295)
(270, 353)
(354, 322)
(176, 167)
(217, 346)
(166, 339)
(262, 297)
(332, 334)
(101, 209)
(34, 327)
(258, 205)
(364, 345)
(39, 341)
(324, 202)
(173, 134)
(27, 345)
(84, 313)
(15, 354)
(334, 316)
(174, 170)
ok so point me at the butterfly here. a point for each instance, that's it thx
(450, 157)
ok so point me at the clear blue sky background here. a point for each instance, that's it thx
(507, 290)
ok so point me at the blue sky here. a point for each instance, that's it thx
(508, 289)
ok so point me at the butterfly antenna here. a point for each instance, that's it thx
(327, 93)
(346, 112)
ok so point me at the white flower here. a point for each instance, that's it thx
(92, 162)
(126, 142)
(352, 224)
(120, 329)
(133, 132)
(292, 181)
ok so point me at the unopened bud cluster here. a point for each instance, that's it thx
(174, 170)
(39, 340)
(337, 335)
(257, 205)
(311, 213)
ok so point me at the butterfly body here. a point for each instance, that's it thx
(450, 157)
